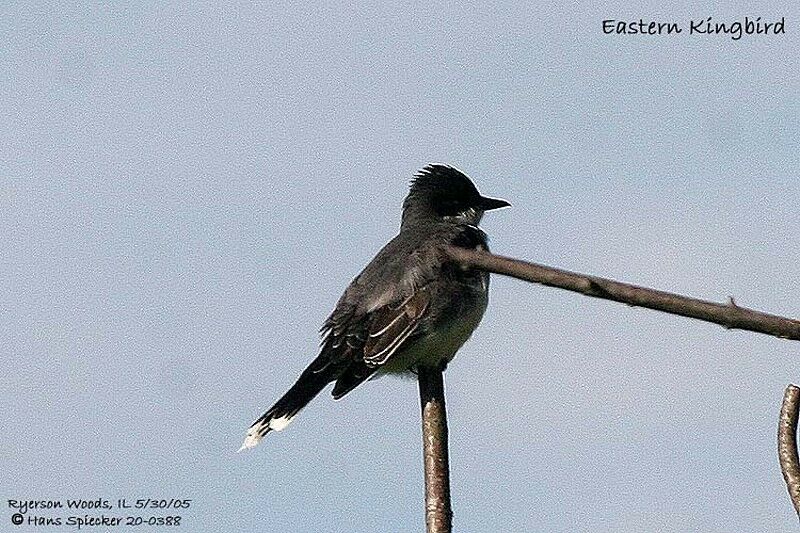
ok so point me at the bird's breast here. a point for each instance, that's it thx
(455, 324)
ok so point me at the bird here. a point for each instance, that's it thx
(410, 307)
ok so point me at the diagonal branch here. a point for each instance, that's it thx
(728, 315)
(787, 444)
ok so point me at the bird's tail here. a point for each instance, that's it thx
(277, 417)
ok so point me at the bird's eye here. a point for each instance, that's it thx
(449, 207)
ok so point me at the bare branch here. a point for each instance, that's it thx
(438, 513)
(730, 316)
(787, 444)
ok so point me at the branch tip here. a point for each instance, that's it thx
(787, 444)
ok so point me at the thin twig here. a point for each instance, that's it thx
(787, 444)
(438, 513)
(730, 315)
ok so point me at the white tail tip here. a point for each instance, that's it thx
(257, 431)
(250, 441)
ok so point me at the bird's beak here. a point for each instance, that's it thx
(487, 204)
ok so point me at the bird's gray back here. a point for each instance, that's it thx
(411, 260)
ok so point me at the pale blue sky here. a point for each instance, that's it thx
(185, 191)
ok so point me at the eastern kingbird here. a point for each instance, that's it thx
(411, 306)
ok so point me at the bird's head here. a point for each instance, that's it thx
(443, 193)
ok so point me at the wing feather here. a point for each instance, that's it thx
(391, 326)
(388, 328)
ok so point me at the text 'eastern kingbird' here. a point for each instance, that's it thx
(411, 306)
